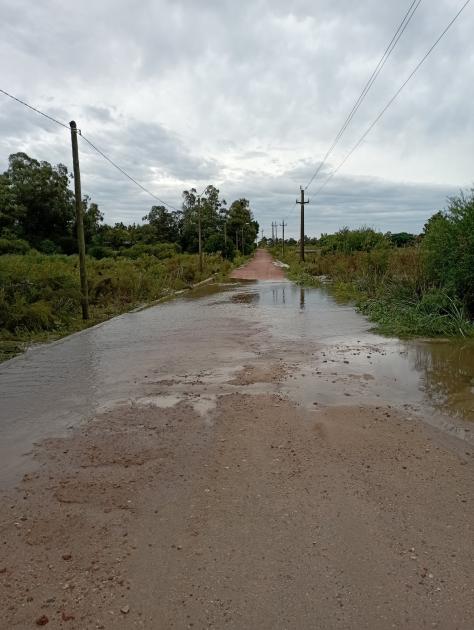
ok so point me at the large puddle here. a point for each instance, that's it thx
(53, 387)
(432, 377)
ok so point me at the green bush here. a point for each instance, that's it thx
(159, 250)
(13, 246)
(448, 248)
(40, 292)
(101, 251)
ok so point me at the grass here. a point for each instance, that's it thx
(389, 286)
(40, 294)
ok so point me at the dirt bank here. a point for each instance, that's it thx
(261, 267)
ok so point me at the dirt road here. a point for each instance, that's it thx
(253, 458)
(261, 267)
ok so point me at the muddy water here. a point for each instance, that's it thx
(432, 378)
(334, 358)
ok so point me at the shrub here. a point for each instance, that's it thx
(13, 246)
(159, 250)
(448, 248)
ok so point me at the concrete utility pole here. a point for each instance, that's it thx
(283, 225)
(302, 203)
(200, 234)
(242, 241)
(79, 222)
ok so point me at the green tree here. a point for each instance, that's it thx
(35, 200)
(241, 223)
(93, 220)
(448, 248)
(163, 223)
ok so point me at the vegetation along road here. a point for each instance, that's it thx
(249, 455)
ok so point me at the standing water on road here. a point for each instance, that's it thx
(338, 360)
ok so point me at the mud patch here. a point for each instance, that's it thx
(265, 373)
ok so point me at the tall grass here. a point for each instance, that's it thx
(40, 294)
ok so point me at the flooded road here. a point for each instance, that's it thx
(55, 386)
(249, 455)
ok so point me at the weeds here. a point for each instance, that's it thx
(40, 294)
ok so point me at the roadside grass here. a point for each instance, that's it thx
(40, 294)
(388, 285)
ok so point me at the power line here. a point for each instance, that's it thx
(124, 172)
(383, 60)
(58, 122)
(38, 111)
(394, 97)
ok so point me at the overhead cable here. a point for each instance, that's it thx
(383, 60)
(394, 97)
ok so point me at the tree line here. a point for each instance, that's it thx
(37, 211)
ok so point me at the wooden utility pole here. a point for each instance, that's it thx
(200, 234)
(302, 203)
(283, 224)
(79, 221)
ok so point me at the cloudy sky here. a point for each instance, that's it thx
(247, 96)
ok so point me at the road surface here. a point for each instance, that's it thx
(260, 267)
(250, 457)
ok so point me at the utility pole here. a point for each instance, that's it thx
(302, 203)
(200, 234)
(237, 240)
(225, 233)
(79, 222)
(276, 233)
(283, 224)
(242, 241)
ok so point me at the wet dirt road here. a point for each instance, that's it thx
(248, 457)
(260, 267)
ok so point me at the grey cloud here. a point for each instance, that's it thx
(247, 95)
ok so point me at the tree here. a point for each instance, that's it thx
(164, 224)
(212, 210)
(93, 219)
(401, 239)
(35, 200)
(240, 222)
(448, 248)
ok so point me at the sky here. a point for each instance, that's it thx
(247, 96)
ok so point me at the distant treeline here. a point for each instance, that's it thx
(37, 211)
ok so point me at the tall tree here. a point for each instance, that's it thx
(164, 224)
(240, 222)
(36, 202)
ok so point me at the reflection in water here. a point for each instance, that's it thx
(301, 298)
(278, 295)
(448, 375)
